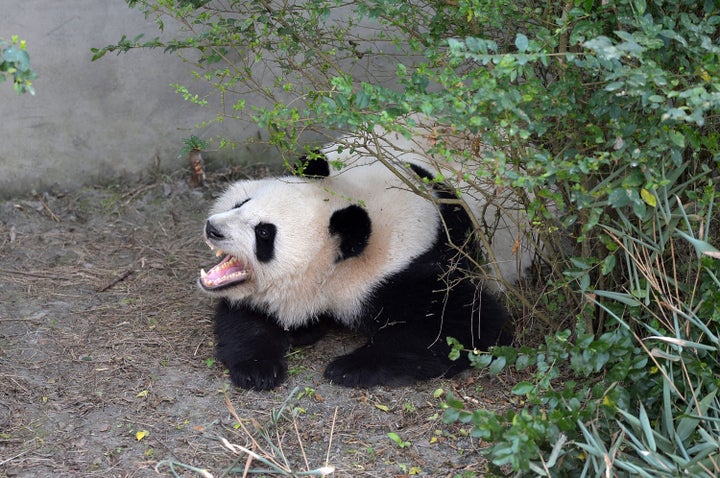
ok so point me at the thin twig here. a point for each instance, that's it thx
(299, 439)
(52, 215)
(127, 197)
(332, 431)
(8, 460)
(231, 408)
(112, 283)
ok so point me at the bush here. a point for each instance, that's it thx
(602, 117)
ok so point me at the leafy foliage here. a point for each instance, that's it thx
(15, 63)
(191, 143)
(601, 118)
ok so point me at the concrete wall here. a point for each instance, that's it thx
(93, 121)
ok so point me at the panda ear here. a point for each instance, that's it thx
(352, 224)
(312, 165)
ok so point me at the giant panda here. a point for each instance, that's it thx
(351, 242)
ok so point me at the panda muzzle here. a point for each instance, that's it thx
(229, 271)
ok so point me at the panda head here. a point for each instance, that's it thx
(280, 240)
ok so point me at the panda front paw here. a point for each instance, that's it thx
(258, 374)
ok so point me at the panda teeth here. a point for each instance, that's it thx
(218, 251)
(228, 271)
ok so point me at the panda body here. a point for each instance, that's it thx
(355, 247)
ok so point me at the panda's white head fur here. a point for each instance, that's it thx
(277, 245)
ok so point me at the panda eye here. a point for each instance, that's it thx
(264, 231)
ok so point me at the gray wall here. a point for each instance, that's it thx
(94, 121)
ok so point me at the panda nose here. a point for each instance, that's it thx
(213, 232)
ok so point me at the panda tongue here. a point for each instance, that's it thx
(227, 271)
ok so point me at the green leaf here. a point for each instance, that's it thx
(619, 197)
(523, 388)
(647, 428)
(362, 99)
(581, 263)
(640, 7)
(621, 297)
(477, 45)
(639, 209)
(615, 85)
(677, 138)
(497, 365)
(608, 265)
(399, 441)
(522, 362)
(521, 42)
(453, 402)
(482, 360)
(701, 247)
(584, 282)
(689, 423)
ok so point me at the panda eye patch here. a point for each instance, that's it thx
(265, 241)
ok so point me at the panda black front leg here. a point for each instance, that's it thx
(251, 346)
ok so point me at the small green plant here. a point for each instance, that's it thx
(308, 392)
(296, 363)
(371, 453)
(192, 143)
(15, 63)
(193, 149)
(397, 440)
(409, 470)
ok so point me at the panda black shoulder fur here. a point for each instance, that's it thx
(354, 246)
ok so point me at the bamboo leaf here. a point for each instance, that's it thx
(647, 429)
(689, 423)
(621, 297)
(701, 247)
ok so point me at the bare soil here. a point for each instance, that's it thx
(106, 358)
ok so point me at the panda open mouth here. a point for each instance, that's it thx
(229, 271)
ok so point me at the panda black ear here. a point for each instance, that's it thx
(312, 165)
(352, 224)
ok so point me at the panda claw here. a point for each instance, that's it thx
(258, 374)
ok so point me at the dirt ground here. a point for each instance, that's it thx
(106, 358)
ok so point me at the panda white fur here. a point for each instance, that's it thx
(354, 247)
